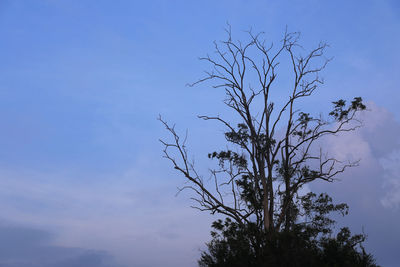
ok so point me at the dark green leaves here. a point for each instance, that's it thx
(237, 160)
(240, 137)
(340, 112)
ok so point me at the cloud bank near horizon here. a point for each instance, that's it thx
(124, 217)
(29, 247)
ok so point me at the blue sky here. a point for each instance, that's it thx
(81, 86)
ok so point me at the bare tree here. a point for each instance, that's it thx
(277, 146)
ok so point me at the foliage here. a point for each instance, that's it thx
(238, 246)
(310, 242)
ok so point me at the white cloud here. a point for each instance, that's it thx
(391, 186)
(392, 198)
(372, 189)
(375, 144)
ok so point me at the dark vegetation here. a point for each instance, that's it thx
(274, 150)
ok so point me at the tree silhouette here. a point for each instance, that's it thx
(274, 150)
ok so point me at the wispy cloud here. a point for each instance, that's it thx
(119, 214)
